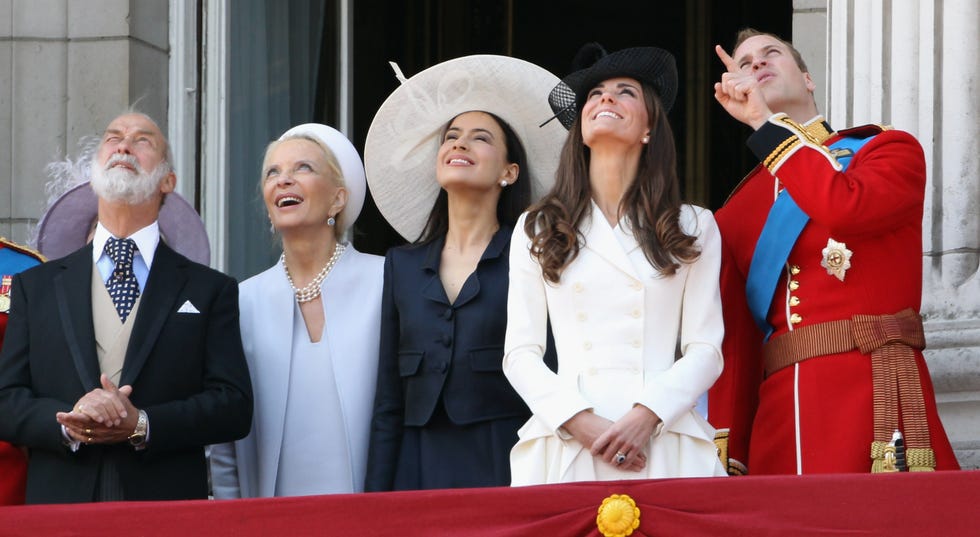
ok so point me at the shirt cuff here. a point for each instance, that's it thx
(72, 445)
(658, 429)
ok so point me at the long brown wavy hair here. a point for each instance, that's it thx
(651, 204)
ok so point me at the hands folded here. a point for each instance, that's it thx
(627, 436)
(102, 416)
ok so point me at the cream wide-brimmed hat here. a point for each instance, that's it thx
(405, 135)
(351, 166)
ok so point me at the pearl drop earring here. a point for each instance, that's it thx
(503, 183)
(646, 139)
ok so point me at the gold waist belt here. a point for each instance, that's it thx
(890, 340)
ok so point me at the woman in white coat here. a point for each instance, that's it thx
(310, 327)
(629, 277)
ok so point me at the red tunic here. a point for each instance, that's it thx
(13, 462)
(816, 416)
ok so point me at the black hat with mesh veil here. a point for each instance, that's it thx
(592, 65)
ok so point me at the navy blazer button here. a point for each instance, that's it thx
(448, 314)
(446, 341)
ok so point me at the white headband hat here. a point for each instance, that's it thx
(351, 166)
(405, 135)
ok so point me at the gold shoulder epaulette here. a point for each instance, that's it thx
(813, 136)
(22, 249)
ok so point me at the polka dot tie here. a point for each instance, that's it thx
(122, 284)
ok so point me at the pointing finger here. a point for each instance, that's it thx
(726, 59)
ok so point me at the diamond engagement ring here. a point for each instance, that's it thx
(620, 457)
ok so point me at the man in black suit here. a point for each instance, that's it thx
(124, 310)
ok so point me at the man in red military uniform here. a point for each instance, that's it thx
(821, 285)
(13, 462)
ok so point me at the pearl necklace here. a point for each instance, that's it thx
(312, 290)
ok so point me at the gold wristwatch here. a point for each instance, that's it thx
(138, 438)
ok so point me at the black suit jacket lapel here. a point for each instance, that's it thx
(159, 299)
(497, 247)
(432, 288)
(73, 292)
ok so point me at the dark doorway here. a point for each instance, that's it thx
(711, 154)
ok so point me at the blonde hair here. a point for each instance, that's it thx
(336, 176)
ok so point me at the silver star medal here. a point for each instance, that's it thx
(836, 258)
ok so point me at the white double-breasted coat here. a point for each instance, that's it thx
(624, 334)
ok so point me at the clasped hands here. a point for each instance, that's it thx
(102, 416)
(607, 440)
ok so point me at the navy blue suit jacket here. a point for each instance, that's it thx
(436, 352)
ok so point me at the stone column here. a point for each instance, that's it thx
(810, 38)
(915, 64)
(33, 106)
(66, 69)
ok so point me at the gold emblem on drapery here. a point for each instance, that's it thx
(618, 516)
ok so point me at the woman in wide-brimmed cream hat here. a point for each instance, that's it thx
(453, 157)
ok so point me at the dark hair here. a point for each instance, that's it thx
(651, 204)
(513, 199)
(746, 33)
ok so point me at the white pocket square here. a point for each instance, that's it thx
(187, 307)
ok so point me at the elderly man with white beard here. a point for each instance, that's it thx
(123, 360)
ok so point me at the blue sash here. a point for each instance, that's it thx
(783, 227)
(12, 262)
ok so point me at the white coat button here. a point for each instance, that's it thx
(578, 287)
(636, 344)
(636, 286)
(587, 346)
(581, 316)
(635, 313)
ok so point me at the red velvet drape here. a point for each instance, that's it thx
(940, 503)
